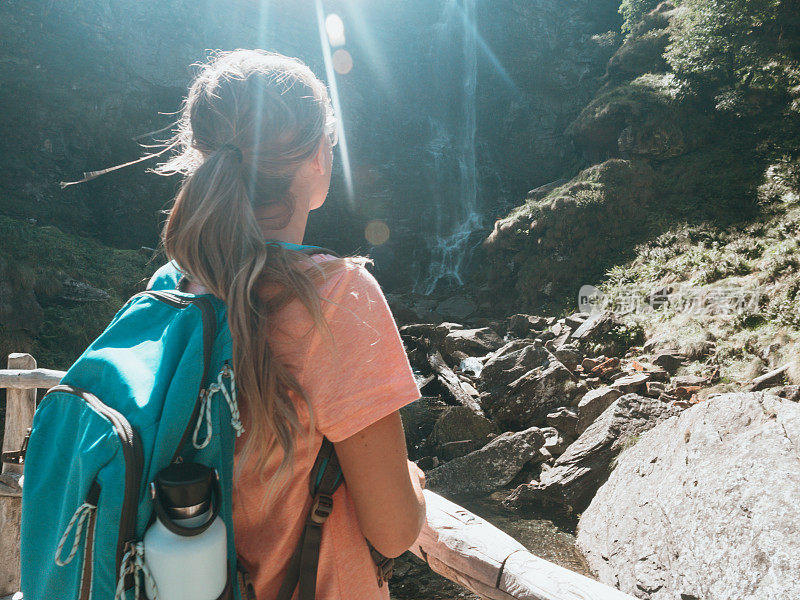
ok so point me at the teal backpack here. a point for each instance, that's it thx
(156, 387)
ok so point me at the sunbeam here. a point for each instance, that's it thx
(375, 57)
(330, 71)
(469, 25)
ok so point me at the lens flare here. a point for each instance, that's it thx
(337, 106)
(377, 232)
(334, 26)
(342, 61)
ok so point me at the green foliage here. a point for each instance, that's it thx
(632, 12)
(732, 47)
(38, 260)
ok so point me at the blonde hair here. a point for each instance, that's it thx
(250, 119)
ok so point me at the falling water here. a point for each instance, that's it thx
(452, 145)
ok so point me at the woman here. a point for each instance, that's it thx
(316, 352)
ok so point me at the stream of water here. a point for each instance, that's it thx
(452, 144)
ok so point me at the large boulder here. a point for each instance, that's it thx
(472, 341)
(460, 431)
(584, 467)
(570, 236)
(529, 399)
(509, 363)
(486, 469)
(704, 506)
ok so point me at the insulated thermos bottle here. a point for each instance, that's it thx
(185, 549)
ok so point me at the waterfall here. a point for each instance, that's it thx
(452, 144)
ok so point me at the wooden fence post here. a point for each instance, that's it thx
(20, 404)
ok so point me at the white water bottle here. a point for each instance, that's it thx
(185, 549)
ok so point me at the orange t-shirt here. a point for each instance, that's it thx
(353, 377)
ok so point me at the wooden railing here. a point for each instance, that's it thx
(454, 542)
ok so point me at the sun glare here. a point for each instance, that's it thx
(334, 26)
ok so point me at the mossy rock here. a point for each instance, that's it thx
(550, 247)
(643, 118)
(36, 316)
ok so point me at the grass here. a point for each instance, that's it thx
(762, 256)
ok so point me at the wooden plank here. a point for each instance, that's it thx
(20, 404)
(23, 379)
(473, 553)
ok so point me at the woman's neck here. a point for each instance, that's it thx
(292, 233)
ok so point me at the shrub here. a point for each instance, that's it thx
(728, 46)
(632, 12)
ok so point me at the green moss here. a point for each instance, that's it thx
(40, 259)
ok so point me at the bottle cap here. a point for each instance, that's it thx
(185, 489)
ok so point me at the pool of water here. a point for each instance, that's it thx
(551, 537)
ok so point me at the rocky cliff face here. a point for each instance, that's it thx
(85, 82)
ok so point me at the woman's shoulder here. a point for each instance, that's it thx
(343, 276)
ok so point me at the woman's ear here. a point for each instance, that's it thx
(320, 161)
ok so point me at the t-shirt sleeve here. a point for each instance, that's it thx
(357, 372)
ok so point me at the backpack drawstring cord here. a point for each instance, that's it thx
(80, 515)
(133, 561)
(205, 407)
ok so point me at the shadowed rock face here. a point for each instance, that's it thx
(581, 470)
(83, 79)
(486, 469)
(704, 505)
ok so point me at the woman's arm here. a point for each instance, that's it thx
(385, 486)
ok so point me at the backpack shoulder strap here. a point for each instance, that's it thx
(326, 477)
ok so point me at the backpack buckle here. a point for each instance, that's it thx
(321, 509)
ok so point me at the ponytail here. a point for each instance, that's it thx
(250, 119)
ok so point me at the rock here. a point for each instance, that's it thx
(587, 462)
(460, 431)
(520, 325)
(631, 383)
(419, 418)
(426, 463)
(592, 406)
(773, 378)
(529, 398)
(77, 291)
(554, 442)
(790, 392)
(457, 308)
(575, 320)
(704, 505)
(565, 420)
(472, 341)
(432, 333)
(590, 363)
(594, 326)
(545, 336)
(451, 384)
(655, 388)
(688, 381)
(607, 368)
(469, 388)
(509, 363)
(669, 360)
(490, 467)
(569, 355)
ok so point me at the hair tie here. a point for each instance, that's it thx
(235, 149)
